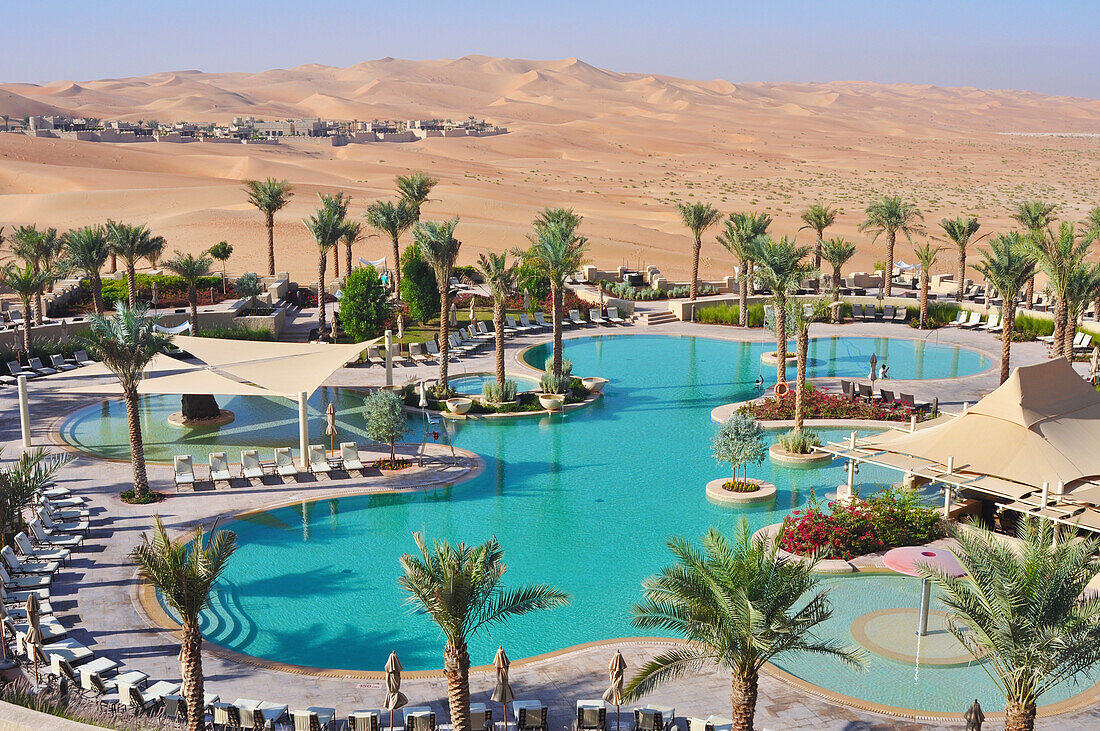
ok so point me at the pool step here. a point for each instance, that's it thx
(660, 318)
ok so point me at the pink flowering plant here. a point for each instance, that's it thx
(818, 404)
(886, 520)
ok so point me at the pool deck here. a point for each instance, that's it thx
(97, 596)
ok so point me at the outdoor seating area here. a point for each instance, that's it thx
(885, 397)
(282, 465)
(35, 368)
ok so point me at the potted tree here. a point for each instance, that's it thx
(739, 442)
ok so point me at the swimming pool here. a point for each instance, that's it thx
(474, 383)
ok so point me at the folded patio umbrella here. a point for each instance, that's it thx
(330, 424)
(502, 693)
(614, 692)
(34, 632)
(394, 697)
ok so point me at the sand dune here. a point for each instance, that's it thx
(621, 148)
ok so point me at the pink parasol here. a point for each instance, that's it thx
(909, 560)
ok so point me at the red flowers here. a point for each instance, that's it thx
(817, 404)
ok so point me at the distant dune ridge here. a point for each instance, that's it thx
(621, 148)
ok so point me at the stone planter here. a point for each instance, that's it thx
(770, 358)
(552, 401)
(594, 384)
(459, 405)
(717, 493)
(778, 455)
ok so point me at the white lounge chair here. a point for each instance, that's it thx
(18, 566)
(591, 715)
(314, 718)
(526, 322)
(100, 667)
(76, 511)
(416, 352)
(52, 630)
(576, 319)
(540, 319)
(481, 717)
(47, 537)
(23, 543)
(510, 324)
(250, 465)
(219, 468)
(349, 454)
(374, 355)
(145, 700)
(57, 362)
(18, 369)
(594, 317)
(264, 714)
(973, 321)
(15, 601)
(24, 582)
(74, 526)
(529, 715)
(69, 650)
(318, 461)
(185, 470)
(36, 365)
(284, 462)
(613, 316)
(993, 323)
(960, 318)
(365, 720)
(81, 358)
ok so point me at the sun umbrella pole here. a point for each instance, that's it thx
(303, 428)
(925, 598)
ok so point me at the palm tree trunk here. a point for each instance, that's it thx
(336, 261)
(743, 295)
(817, 251)
(836, 294)
(191, 665)
(38, 308)
(456, 668)
(397, 288)
(131, 285)
(322, 320)
(555, 293)
(962, 274)
(498, 325)
(1019, 716)
(743, 698)
(96, 285)
(1059, 326)
(193, 300)
(270, 220)
(923, 299)
(888, 271)
(802, 345)
(1008, 315)
(137, 448)
(1031, 293)
(114, 262)
(1069, 332)
(347, 259)
(695, 269)
(780, 342)
(444, 330)
(27, 337)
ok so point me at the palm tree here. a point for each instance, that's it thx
(926, 257)
(556, 252)
(960, 231)
(269, 196)
(459, 588)
(393, 220)
(132, 243)
(698, 217)
(742, 231)
(126, 343)
(38, 250)
(85, 250)
(1092, 226)
(500, 277)
(1083, 287)
(26, 283)
(837, 252)
(818, 217)
(1025, 610)
(353, 231)
(780, 269)
(1008, 266)
(889, 216)
(1035, 217)
(734, 601)
(414, 191)
(184, 572)
(439, 247)
(1059, 254)
(221, 251)
(327, 225)
(191, 270)
(799, 317)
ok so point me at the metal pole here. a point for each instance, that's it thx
(24, 412)
(946, 501)
(925, 598)
(303, 429)
(389, 357)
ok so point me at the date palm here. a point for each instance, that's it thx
(353, 231)
(888, 217)
(556, 252)
(1024, 610)
(742, 231)
(1008, 266)
(327, 226)
(780, 268)
(818, 217)
(191, 269)
(960, 232)
(393, 220)
(269, 196)
(26, 283)
(439, 247)
(926, 257)
(126, 342)
(698, 217)
(184, 572)
(837, 252)
(85, 250)
(740, 604)
(800, 315)
(1092, 226)
(38, 250)
(221, 251)
(133, 243)
(414, 191)
(500, 278)
(459, 588)
(1083, 287)
(1035, 217)
(1059, 254)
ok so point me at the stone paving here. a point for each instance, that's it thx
(96, 596)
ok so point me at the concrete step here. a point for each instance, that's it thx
(660, 318)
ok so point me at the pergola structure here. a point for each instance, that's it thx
(1031, 446)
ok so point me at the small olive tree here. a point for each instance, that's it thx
(740, 442)
(385, 418)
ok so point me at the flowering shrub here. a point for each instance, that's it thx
(740, 486)
(889, 519)
(817, 404)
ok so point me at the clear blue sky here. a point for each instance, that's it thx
(1051, 47)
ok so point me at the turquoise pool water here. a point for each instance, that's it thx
(473, 384)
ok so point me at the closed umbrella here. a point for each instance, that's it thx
(614, 692)
(453, 318)
(330, 426)
(472, 300)
(502, 693)
(874, 372)
(3, 635)
(1094, 364)
(974, 717)
(34, 632)
(526, 299)
(394, 697)
(423, 396)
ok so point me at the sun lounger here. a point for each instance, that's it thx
(67, 649)
(654, 718)
(57, 362)
(17, 369)
(81, 358)
(185, 470)
(532, 326)
(15, 601)
(576, 319)
(264, 713)
(901, 314)
(398, 358)
(75, 526)
(318, 461)
(906, 399)
(23, 543)
(481, 717)
(61, 502)
(219, 468)
(973, 321)
(18, 566)
(24, 582)
(374, 355)
(349, 455)
(419, 718)
(888, 312)
(416, 352)
(284, 462)
(591, 715)
(540, 319)
(36, 365)
(52, 630)
(887, 397)
(457, 345)
(175, 705)
(613, 316)
(960, 318)
(146, 700)
(594, 317)
(99, 667)
(994, 321)
(364, 720)
(713, 723)
(433, 351)
(865, 392)
(46, 537)
(60, 514)
(314, 718)
(250, 465)
(529, 715)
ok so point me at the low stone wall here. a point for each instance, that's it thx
(18, 718)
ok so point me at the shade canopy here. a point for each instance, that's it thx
(909, 560)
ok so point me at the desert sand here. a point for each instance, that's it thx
(620, 148)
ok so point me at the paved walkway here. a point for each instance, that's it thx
(96, 596)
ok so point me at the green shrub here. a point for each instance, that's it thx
(498, 394)
(364, 304)
(167, 285)
(236, 332)
(939, 314)
(551, 383)
(419, 290)
(566, 366)
(1033, 326)
(730, 315)
(529, 278)
(248, 285)
(800, 441)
